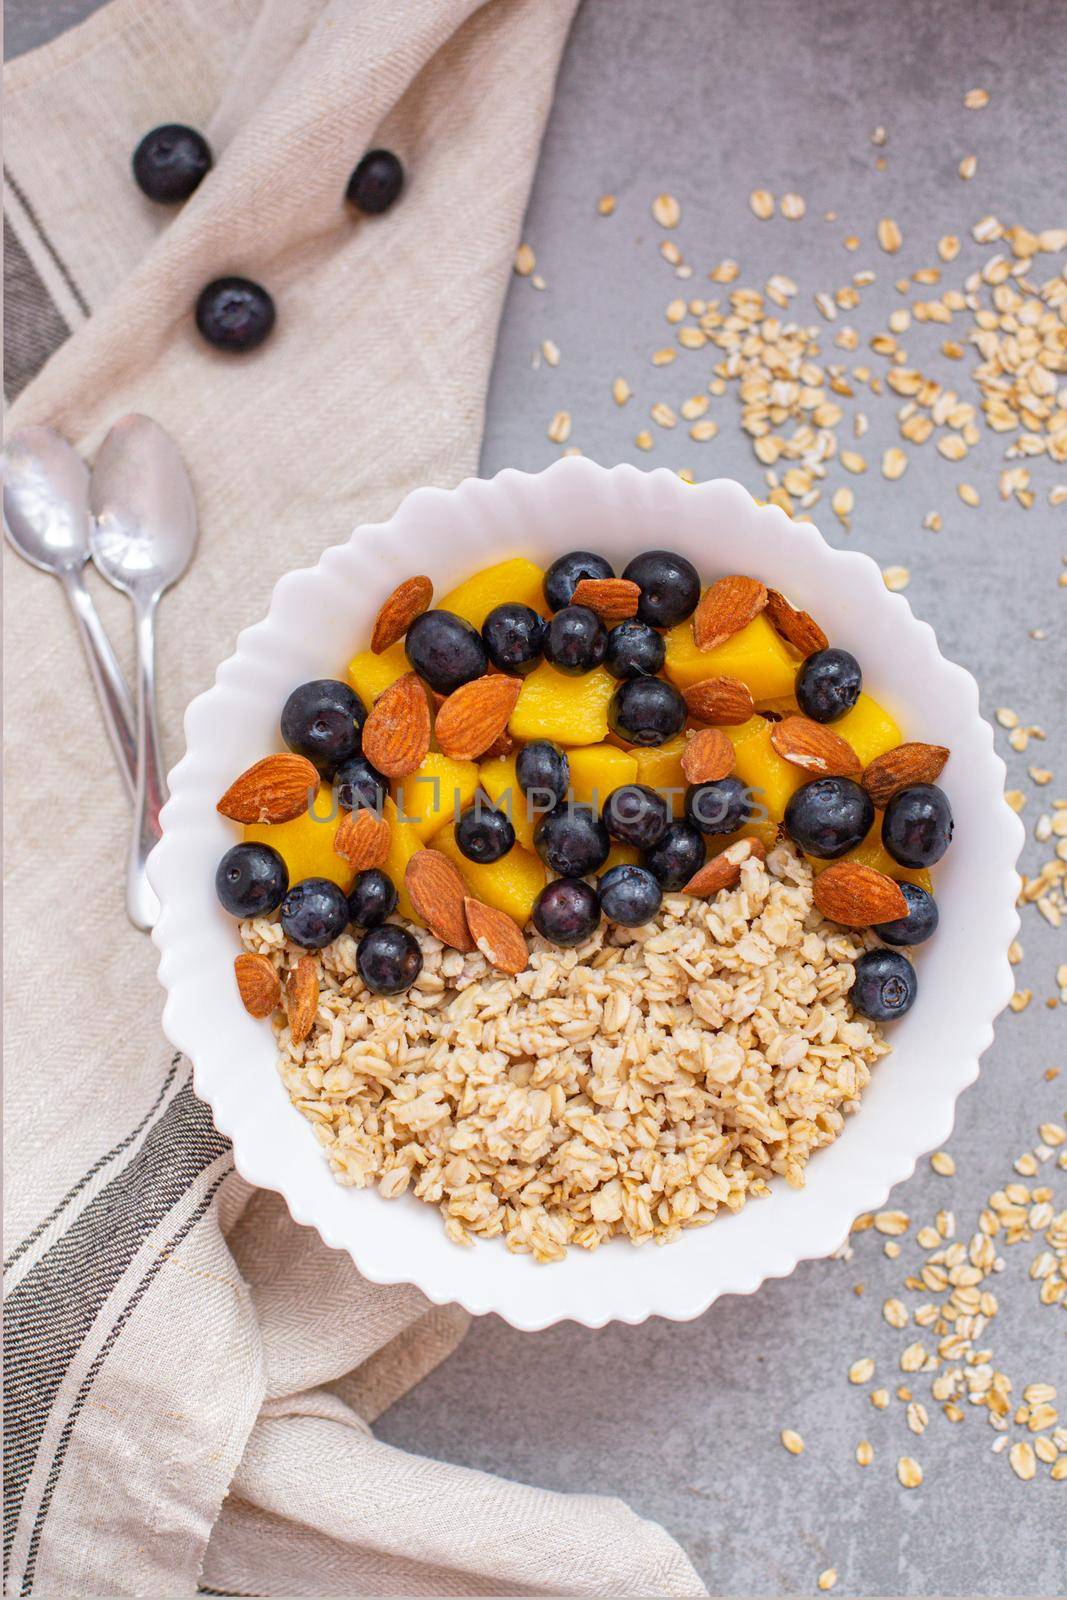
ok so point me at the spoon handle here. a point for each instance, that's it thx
(142, 906)
(111, 690)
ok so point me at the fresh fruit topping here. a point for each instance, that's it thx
(511, 884)
(635, 814)
(720, 807)
(669, 585)
(376, 183)
(829, 817)
(257, 984)
(363, 839)
(572, 840)
(275, 789)
(565, 573)
(597, 769)
(815, 747)
(885, 985)
(724, 870)
(396, 735)
(567, 911)
(483, 833)
(543, 772)
(497, 936)
(474, 715)
(445, 650)
(646, 711)
(613, 599)
(357, 783)
(828, 685)
(302, 998)
(920, 922)
(234, 314)
(571, 711)
(321, 721)
(314, 912)
(707, 757)
(388, 959)
(251, 880)
(170, 162)
(515, 579)
(514, 635)
(723, 700)
(677, 857)
(575, 640)
(630, 896)
(900, 768)
(634, 650)
(795, 627)
(857, 895)
(437, 892)
(917, 825)
(727, 607)
(371, 899)
(407, 601)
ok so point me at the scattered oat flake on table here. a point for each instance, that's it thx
(889, 235)
(762, 203)
(644, 440)
(975, 99)
(792, 207)
(792, 1441)
(559, 429)
(550, 351)
(864, 1453)
(621, 391)
(666, 210)
(968, 494)
(525, 261)
(894, 463)
(909, 1472)
(1021, 1456)
(828, 1578)
(943, 1164)
(968, 167)
(861, 1371)
(606, 205)
(896, 578)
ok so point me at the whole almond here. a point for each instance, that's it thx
(613, 599)
(858, 896)
(726, 700)
(727, 607)
(899, 768)
(362, 838)
(437, 892)
(475, 715)
(302, 998)
(724, 870)
(257, 984)
(497, 936)
(407, 601)
(707, 757)
(276, 789)
(396, 734)
(795, 627)
(815, 747)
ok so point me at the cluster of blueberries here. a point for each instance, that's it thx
(234, 313)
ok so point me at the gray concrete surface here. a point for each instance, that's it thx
(709, 101)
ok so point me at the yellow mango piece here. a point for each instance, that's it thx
(370, 675)
(511, 884)
(570, 711)
(758, 764)
(868, 728)
(403, 843)
(597, 769)
(497, 778)
(754, 654)
(622, 855)
(872, 854)
(661, 768)
(518, 579)
(306, 843)
(436, 793)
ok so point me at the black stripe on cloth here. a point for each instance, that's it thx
(33, 327)
(35, 221)
(49, 1314)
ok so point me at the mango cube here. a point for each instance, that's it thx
(436, 793)
(569, 711)
(370, 675)
(518, 579)
(755, 654)
(497, 778)
(306, 843)
(403, 844)
(661, 769)
(597, 769)
(511, 884)
(868, 728)
(759, 766)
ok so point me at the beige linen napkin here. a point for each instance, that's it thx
(175, 1344)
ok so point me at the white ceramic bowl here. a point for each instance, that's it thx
(317, 619)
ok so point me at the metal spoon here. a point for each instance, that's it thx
(142, 539)
(46, 519)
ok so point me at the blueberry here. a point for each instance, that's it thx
(634, 651)
(720, 807)
(669, 584)
(567, 571)
(919, 923)
(251, 880)
(917, 826)
(575, 640)
(567, 911)
(829, 817)
(629, 895)
(483, 833)
(637, 815)
(323, 720)
(234, 313)
(314, 912)
(543, 772)
(376, 183)
(371, 898)
(646, 711)
(572, 840)
(885, 985)
(170, 161)
(678, 855)
(389, 959)
(828, 685)
(357, 783)
(445, 650)
(514, 635)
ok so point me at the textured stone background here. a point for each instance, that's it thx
(709, 101)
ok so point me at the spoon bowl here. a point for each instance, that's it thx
(46, 500)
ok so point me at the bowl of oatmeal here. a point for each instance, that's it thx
(497, 1091)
